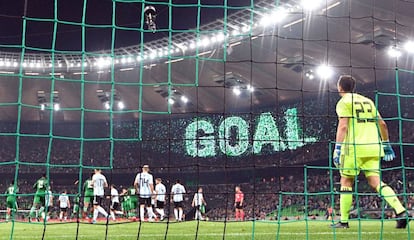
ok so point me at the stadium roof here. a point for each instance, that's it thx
(253, 60)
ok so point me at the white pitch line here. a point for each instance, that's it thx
(338, 233)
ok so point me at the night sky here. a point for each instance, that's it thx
(128, 14)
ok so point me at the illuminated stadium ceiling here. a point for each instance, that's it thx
(267, 61)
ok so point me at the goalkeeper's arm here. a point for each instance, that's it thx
(389, 153)
(383, 129)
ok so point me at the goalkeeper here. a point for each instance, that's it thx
(359, 146)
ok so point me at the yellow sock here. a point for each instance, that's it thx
(345, 203)
(389, 195)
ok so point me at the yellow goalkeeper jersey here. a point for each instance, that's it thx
(363, 138)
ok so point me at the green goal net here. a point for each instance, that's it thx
(217, 94)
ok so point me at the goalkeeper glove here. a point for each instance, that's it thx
(389, 154)
(337, 155)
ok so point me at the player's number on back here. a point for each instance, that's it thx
(361, 108)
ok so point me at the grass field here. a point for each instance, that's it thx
(317, 230)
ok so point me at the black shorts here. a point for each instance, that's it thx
(64, 209)
(145, 201)
(160, 204)
(178, 204)
(238, 205)
(114, 205)
(97, 200)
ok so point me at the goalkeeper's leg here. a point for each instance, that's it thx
(389, 195)
(345, 201)
(386, 192)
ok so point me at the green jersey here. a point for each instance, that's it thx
(76, 200)
(10, 193)
(132, 192)
(362, 138)
(88, 187)
(41, 185)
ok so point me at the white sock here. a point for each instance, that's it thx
(160, 211)
(102, 211)
(176, 213)
(151, 213)
(113, 215)
(95, 214)
(60, 215)
(142, 212)
(180, 214)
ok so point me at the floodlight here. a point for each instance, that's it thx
(121, 105)
(236, 32)
(184, 99)
(409, 46)
(205, 42)
(394, 52)
(171, 101)
(278, 15)
(309, 75)
(107, 105)
(220, 37)
(236, 91)
(309, 5)
(324, 71)
(246, 28)
(250, 88)
(153, 55)
(56, 107)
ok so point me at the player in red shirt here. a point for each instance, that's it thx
(238, 204)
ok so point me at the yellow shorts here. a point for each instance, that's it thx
(351, 166)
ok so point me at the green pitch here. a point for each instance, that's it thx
(317, 230)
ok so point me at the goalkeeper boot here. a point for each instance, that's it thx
(340, 225)
(402, 221)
